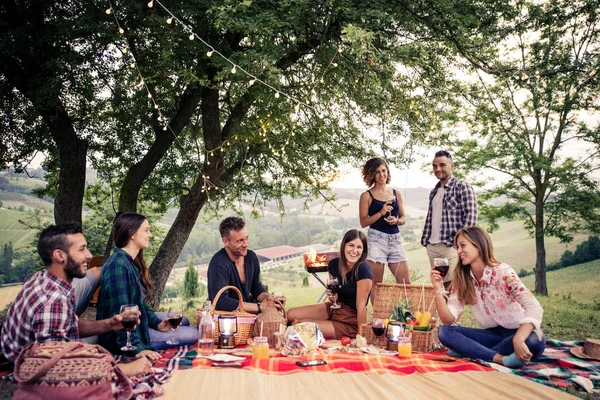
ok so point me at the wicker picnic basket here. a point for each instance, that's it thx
(422, 299)
(269, 321)
(245, 320)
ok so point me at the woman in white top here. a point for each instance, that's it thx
(506, 310)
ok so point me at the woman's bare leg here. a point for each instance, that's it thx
(310, 312)
(400, 271)
(377, 270)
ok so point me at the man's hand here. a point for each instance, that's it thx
(116, 321)
(279, 302)
(164, 325)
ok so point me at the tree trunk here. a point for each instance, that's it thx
(192, 203)
(68, 204)
(540, 251)
(171, 247)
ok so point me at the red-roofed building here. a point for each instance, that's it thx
(277, 254)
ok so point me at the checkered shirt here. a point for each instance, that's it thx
(44, 310)
(459, 209)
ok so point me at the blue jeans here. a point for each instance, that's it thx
(185, 334)
(485, 343)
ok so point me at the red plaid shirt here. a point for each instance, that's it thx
(44, 310)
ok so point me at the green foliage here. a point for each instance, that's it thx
(522, 113)
(190, 284)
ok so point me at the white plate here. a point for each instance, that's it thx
(225, 358)
(381, 352)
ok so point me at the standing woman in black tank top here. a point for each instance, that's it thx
(383, 217)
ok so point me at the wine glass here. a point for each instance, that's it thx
(378, 329)
(129, 322)
(442, 266)
(390, 202)
(175, 315)
(333, 284)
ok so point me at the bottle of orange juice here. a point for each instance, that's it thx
(260, 348)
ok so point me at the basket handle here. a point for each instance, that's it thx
(282, 308)
(220, 292)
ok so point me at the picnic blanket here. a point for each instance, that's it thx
(228, 383)
(423, 363)
(557, 367)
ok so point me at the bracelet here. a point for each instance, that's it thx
(381, 213)
(441, 291)
(259, 308)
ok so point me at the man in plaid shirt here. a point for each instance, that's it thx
(44, 309)
(452, 205)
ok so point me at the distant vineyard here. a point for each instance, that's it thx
(11, 230)
(13, 200)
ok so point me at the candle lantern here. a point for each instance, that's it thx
(227, 329)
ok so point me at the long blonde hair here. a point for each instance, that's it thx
(462, 281)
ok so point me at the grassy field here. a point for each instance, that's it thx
(11, 230)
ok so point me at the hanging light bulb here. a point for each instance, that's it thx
(132, 65)
(108, 11)
(121, 31)
(210, 52)
(233, 70)
(165, 128)
(276, 95)
(156, 106)
(252, 81)
(169, 21)
(149, 96)
(124, 50)
(150, 4)
(191, 37)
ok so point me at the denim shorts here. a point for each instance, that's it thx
(385, 248)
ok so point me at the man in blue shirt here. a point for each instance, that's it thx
(452, 206)
(235, 265)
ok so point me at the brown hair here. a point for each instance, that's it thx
(368, 170)
(462, 280)
(348, 237)
(125, 226)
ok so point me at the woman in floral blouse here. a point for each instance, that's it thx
(500, 303)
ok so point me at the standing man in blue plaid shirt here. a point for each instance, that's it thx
(452, 206)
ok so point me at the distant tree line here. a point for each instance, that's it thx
(296, 231)
(588, 250)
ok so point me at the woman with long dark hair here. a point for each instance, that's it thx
(508, 313)
(125, 280)
(354, 276)
(381, 209)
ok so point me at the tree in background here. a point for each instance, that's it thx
(177, 122)
(191, 286)
(534, 99)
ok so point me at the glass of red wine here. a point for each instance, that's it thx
(129, 321)
(378, 329)
(333, 284)
(175, 315)
(390, 202)
(442, 266)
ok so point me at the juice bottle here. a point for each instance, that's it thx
(260, 348)
(404, 347)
